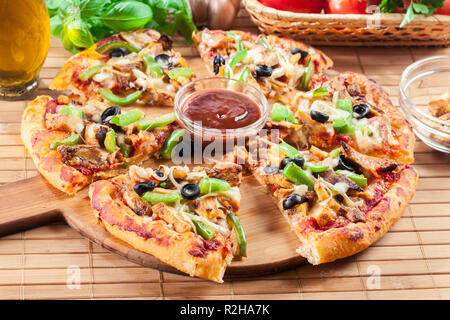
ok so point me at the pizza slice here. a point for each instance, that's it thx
(127, 67)
(275, 65)
(73, 144)
(185, 218)
(353, 109)
(338, 203)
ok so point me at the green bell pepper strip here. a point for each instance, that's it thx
(235, 222)
(147, 124)
(307, 75)
(209, 185)
(238, 57)
(180, 72)
(265, 44)
(289, 150)
(71, 111)
(237, 39)
(90, 72)
(125, 149)
(346, 105)
(205, 231)
(297, 175)
(280, 112)
(122, 101)
(105, 48)
(315, 167)
(359, 179)
(70, 141)
(342, 122)
(323, 91)
(110, 141)
(335, 153)
(154, 197)
(228, 72)
(162, 185)
(244, 75)
(171, 142)
(127, 118)
(151, 66)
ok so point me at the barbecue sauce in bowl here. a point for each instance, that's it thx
(221, 109)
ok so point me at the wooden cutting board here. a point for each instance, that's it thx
(33, 202)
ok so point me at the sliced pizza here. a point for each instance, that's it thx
(275, 65)
(73, 144)
(130, 66)
(338, 203)
(185, 218)
(353, 109)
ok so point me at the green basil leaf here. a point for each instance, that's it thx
(127, 15)
(78, 33)
(89, 8)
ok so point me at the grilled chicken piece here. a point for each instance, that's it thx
(206, 207)
(89, 157)
(354, 215)
(369, 165)
(164, 212)
(127, 68)
(141, 38)
(333, 178)
(56, 121)
(319, 134)
(131, 198)
(227, 171)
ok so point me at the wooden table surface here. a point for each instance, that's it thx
(412, 260)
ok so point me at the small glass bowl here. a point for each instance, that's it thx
(422, 82)
(210, 134)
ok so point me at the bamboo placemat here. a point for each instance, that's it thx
(413, 259)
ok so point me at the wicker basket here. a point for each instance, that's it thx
(351, 29)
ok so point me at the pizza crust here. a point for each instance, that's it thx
(37, 140)
(186, 251)
(337, 243)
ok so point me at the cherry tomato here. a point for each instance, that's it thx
(347, 6)
(305, 6)
(445, 9)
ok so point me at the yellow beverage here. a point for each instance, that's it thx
(24, 42)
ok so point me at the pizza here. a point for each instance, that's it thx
(350, 108)
(338, 203)
(73, 144)
(130, 66)
(275, 65)
(185, 218)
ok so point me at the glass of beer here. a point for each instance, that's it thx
(24, 42)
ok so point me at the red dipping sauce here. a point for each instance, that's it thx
(221, 109)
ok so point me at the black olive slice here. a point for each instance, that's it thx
(159, 173)
(101, 135)
(143, 187)
(319, 116)
(270, 169)
(110, 112)
(190, 191)
(299, 161)
(261, 70)
(164, 60)
(303, 53)
(218, 62)
(345, 164)
(362, 110)
(292, 200)
(118, 52)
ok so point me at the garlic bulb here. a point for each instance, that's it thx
(215, 14)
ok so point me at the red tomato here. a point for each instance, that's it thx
(445, 9)
(305, 6)
(347, 6)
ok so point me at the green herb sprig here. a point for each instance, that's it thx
(425, 7)
(81, 23)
